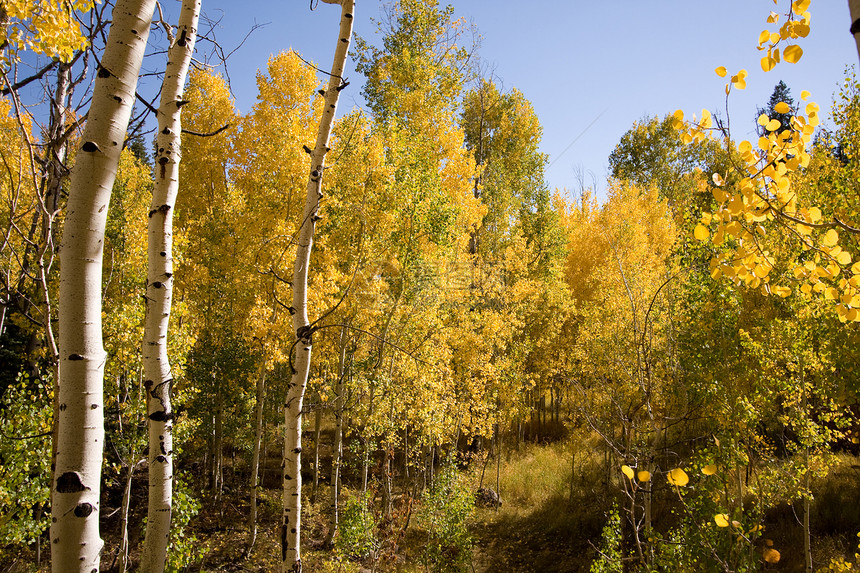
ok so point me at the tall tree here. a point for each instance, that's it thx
(75, 541)
(292, 511)
(159, 290)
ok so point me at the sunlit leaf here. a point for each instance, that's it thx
(643, 476)
(709, 469)
(782, 107)
(701, 233)
(722, 520)
(792, 54)
(800, 6)
(721, 71)
(628, 471)
(678, 477)
(830, 238)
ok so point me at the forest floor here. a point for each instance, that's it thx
(545, 524)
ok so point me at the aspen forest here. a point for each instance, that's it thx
(358, 325)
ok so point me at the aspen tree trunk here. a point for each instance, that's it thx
(317, 431)
(218, 445)
(255, 461)
(126, 503)
(337, 446)
(291, 527)
(158, 378)
(854, 9)
(75, 541)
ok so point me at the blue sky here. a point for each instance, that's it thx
(590, 69)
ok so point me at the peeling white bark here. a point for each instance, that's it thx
(854, 9)
(292, 512)
(159, 290)
(75, 541)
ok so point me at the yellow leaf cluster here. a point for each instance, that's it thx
(45, 27)
(795, 26)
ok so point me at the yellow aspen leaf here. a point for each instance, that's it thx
(763, 37)
(628, 471)
(719, 194)
(804, 95)
(643, 476)
(721, 71)
(739, 80)
(706, 218)
(707, 121)
(701, 233)
(709, 469)
(781, 291)
(721, 519)
(806, 289)
(678, 477)
(800, 6)
(718, 180)
(735, 206)
(773, 125)
(853, 315)
(843, 258)
(774, 38)
(763, 119)
(782, 107)
(831, 293)
(761, 271)
(771, 555)
(814, 214)
(792, 53)
(830, 238)
(767, 63)
(773, 18)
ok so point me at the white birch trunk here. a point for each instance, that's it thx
(292, 475)
(75, 541)
(159, 291)
(854, 9)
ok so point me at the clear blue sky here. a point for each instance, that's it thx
(624, 59)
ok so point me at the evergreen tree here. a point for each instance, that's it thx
(781, 93)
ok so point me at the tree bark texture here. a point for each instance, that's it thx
(854, 9)
(75, 541)
(301, 359)
(159, 291)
